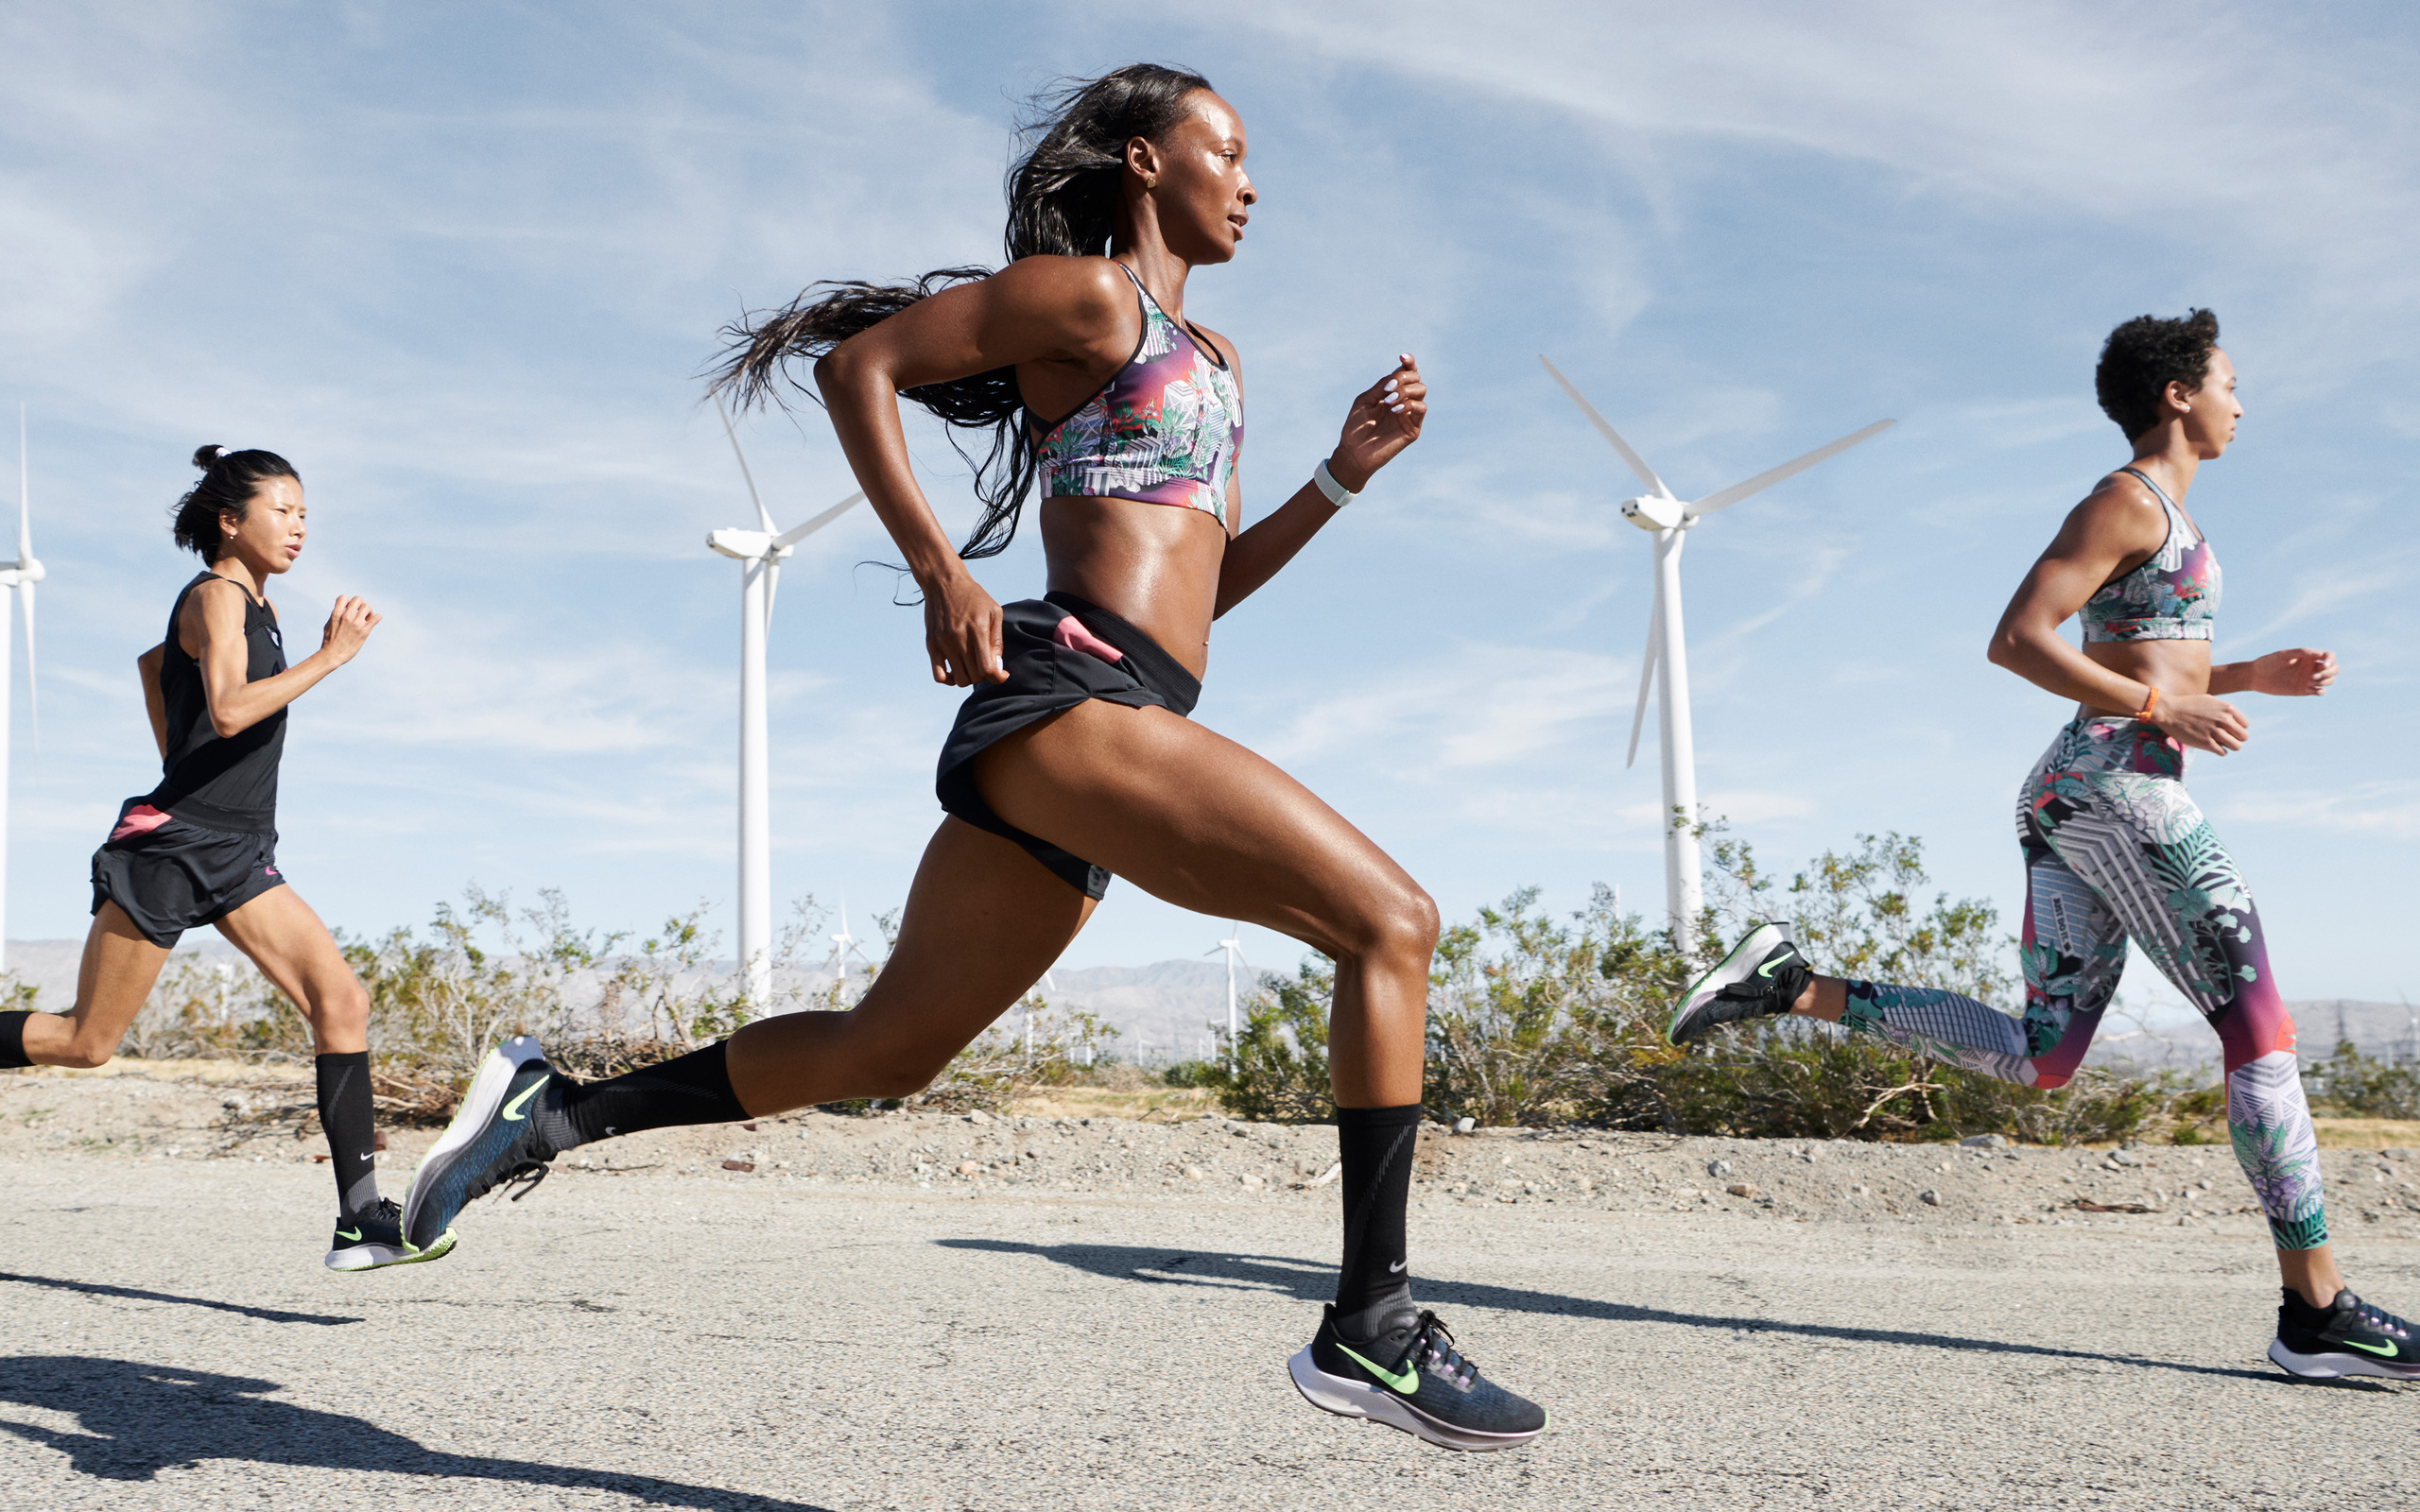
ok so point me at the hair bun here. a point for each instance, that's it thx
(203, 456)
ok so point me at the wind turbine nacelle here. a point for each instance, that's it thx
(745, 545)
(1653, 513)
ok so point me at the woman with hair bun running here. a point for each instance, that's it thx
(1073, 759)
(201, 847)
(2115, 850)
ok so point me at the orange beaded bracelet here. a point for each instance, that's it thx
(2149, 704)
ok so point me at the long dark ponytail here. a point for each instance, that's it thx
(1063, 195)
(229, 480)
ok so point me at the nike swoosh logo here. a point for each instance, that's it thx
(365, 1157)
(2387, 1351)
(1407, 1383)
(354, 1234)
(1395, 1269)
(510, 1113)
(1767, 970)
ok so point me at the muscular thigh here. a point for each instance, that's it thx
(1192, 817)
(293, 948)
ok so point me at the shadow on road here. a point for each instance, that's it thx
(266, 1315)
(1309, 1282)
(140, 1419)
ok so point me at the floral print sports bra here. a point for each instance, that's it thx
(1165, 428)
(2172, 596)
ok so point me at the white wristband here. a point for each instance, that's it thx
(1338, 494)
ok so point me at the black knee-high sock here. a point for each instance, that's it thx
(12, 1041)
(1377, 1146)
(352, 1128)
(691, 1089)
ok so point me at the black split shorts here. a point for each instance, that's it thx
(170, 875)
(1060, 651)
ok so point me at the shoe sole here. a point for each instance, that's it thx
(377, 1257)
(478, 1109)
(1355, 1399)
(1735, 967)
(2331, 1367)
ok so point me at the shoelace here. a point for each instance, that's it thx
(1431, 1329)
(2381, 1321)
(528, 1173)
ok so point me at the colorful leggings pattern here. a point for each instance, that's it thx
(2115, 850)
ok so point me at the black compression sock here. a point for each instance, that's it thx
(691, 1089)
(12, 1041)
(1377, 1146)
(352, 1128)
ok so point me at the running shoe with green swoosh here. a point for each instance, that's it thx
(2349, 1337)
(1412, 1377)
(497, 1136)
(1762, 977)
(373, 1239)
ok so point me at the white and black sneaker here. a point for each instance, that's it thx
(1762, 976)
(366, 1240)
(2348, 1337)
(1412, 1377)
(494, 1139)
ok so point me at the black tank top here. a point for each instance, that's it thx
(221, 782)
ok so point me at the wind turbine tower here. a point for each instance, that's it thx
(759, 553)
(1669, 520)
(1234, 946)
(21, 575)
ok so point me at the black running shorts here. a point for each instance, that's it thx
(1059, 652)
(169, 875)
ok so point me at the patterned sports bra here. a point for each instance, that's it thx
(2172, 596)
(1165, 429)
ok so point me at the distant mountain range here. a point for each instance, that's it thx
(1163, 1011)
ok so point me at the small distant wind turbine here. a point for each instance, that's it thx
(1234, 946)
(20, 574)
(759, 553)
(844, 946)
(1658, 511)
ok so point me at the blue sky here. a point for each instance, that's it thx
(462, 264)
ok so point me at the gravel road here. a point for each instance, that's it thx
(920, 1312)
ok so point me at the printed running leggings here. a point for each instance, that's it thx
(2115, 850)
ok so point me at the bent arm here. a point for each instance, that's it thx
(215, 620)
(154, 701)
(2100, 535)
(1254, 557)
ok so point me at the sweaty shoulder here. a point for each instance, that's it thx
(2122, 515)
(1083, 288)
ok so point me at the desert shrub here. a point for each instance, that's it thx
(1036, 1046)
(2352, 1084)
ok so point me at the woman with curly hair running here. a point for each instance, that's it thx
(1073, 759)
(201, 847)
(2115, 850)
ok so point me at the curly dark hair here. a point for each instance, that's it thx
(229, 480)
(1062, 201)
(2145, 356)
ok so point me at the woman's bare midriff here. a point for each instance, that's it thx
(2176, 669)
(1153, 565)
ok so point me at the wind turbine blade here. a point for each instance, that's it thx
(24, 502)
(1604, 428)
(791, 538)
(1646, 673)
(772, 585)
(33, 704)
(1762, 481)
(764, 518)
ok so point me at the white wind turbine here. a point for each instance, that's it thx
(1670, 519)
(844, 946)
(759, 553)
(20, 574)
(1234, 946)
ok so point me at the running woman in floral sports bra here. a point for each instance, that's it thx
(1073, 760)
(2117, 850)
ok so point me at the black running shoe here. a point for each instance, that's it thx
(2348, 1337)
(1762, 977)
(369, 1240)
(493, 1140)
(1412, 1377)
